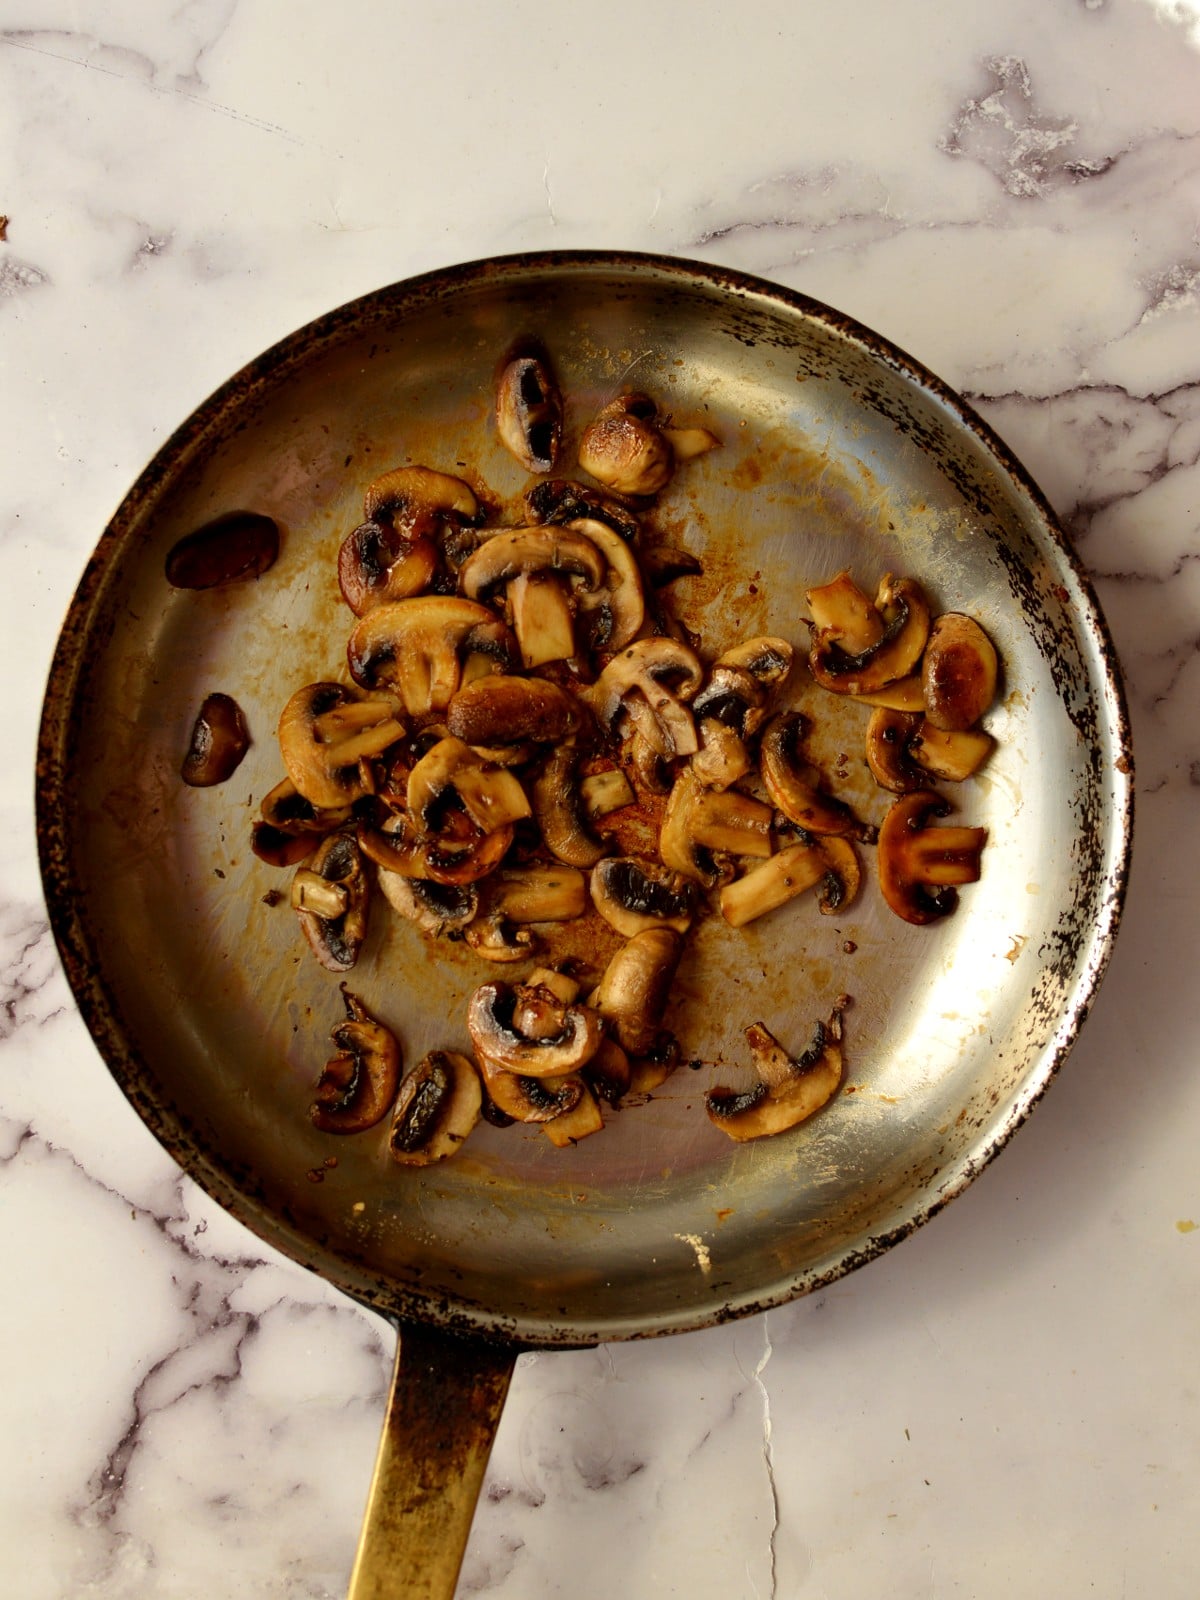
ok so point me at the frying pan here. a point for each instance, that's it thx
(838, 452)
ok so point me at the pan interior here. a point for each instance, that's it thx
(836, 454)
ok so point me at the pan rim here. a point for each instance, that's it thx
(118, 1050)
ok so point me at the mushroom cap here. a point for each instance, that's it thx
(436, 1108)
(503, 708)
(905, 612)
(795, 785)
(624, 449)
(376, 564)
(548, 548)
(959, 672)
(529, 410)
(220, 739)
(789, 1091)
(526, 1099)
(418, 498)
(633, 993)
(559, 811)
(889, 756)
(616, 608)
(560, 500)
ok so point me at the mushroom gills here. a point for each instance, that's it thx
(358, 1084)
(789, 1090)
(436, 1108)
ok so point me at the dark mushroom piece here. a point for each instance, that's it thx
(457, 855)
(490, 795)
(437, 1106)
(492, 1024)
(378, 564)
(331, 899)
(732, 706)
(612, 613)
(290, 827)
(904, 750)
(436, 908)
(678, 846)
(632, 452)
(529, 411)
(358, 1084)
(559, 500)
(525, 1099)
(921, 867)
(958, 673)
(219, 741)
(235, 548)
(633, 993)
(788, 1092)
(632, 895)
(494, 937)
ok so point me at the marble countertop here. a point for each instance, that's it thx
(1005, 1404)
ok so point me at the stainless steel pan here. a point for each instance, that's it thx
(838, 451)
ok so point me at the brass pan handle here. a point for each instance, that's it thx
(446, 1397)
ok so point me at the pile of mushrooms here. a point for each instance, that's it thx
(528, 737)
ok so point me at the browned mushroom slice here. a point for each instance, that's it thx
(458, 854)
(610, 1071)
(795, 786)
(624, 449)
(529, 411)
(416, 500)
(958, 674)
(633, 993)
(612, 613)
(889, 756)
(955, 756)
(358, 1084)
(496, 938)
(842, 614)
(679, 847)
(279, 849)
(558, 807)
(377, 564)
(286, 809)
(921, 867)
(231, 549)
(535, 565)
(435, 908)
(503, 709)
(331, 899)
(558, 500)
(905, 613)
(538, 894)
(491, 796)
(788, 1092)
(492, 1024)
(652, 680)
(437, 1106)
(219, 741)
(663, 563)
(632, 895)
(787, 874)
(327, 736)
(581, 1121)
(526, 1099)
(419, 647)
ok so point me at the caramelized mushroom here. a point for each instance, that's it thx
(327, 735)
(231, 549)
(633, 895)
(436, 908)
(789, 873)
(491, 1022)
(652, 679)
(796, 787)
(331, 899)
(418, 647)
(526, 1099)
(558, 807)
(788, 1091)
(502, 709)
(921, 867)
(624, 449)
(905, 613)
(529, 411)
(219, 740)
(490, 795)
(437, 1106)
(633, 993)
(358, 1084)
(889, 756)
(378, 564)
(535, 565)
(958, 676)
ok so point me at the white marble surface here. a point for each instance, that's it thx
(1007, 1404)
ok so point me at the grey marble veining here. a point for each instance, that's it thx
(1007, 1403)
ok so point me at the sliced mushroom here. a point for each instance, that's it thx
(285, 809)
(437, 1106)
(219, 740)
(953, 757)
(958, 674)
(652, 679)
(495, 938)
(279, 849)
(731, 823)
(602, 793)
(905, 614)
(789, 1090)
(663, 563)
(491, 796)
(526, 1099)
(418, 647)
(503, 709)
(417, 500)
(235, 548)
(358, 1084)
(458, 854)
(843, 615)
(921, 867)
(888, 739)
(328, 735)
(905, 694)
(559, 500)
(558, 807)
(378, 564)
(538, 894)
(633, 993)
(529, 411)
(496, 1038)
(796, 786)
(613, 611)
(543, 559)
(678, 846)
(331, 900)
(632, 895)
(610, 1071)
(582, 1120)
(436, 908)
(787, 874)
(629, 450)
